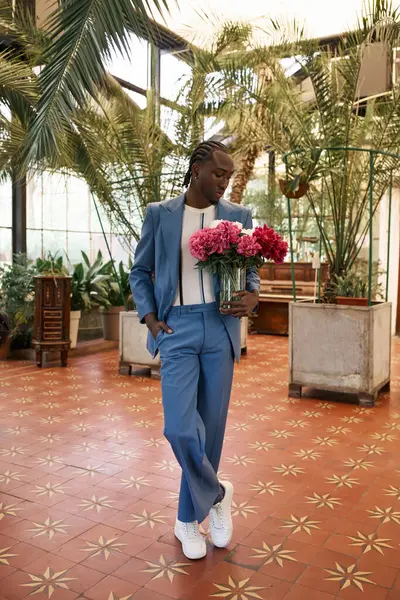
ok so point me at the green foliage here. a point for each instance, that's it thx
(81, 36)
(90, 284)
(17, 288)
(319, 132)
(4, 327)
(115, 297)
(354, 284)
(351, 285)
(51, 265)
(268, 207)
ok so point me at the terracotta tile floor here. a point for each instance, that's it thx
(88, 489)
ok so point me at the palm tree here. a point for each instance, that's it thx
(18, 83)
(232, 46)
(81, 35)
(335, 117)
(74, 118)
(124, 157)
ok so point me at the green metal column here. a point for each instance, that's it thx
(371, 225)
(388, 238)
(291, 239)
(291, 251)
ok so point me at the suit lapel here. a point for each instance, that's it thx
(224, 210)
(171, 218)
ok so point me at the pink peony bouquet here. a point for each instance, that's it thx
(226, 244)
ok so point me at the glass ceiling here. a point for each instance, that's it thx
(197, 20)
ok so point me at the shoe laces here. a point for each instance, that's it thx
(217, 515)
(192, 531)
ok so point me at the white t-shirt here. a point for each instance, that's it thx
(197, 286)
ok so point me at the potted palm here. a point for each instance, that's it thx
(89, 293)
(338, 125)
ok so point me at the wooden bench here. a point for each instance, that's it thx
(276, 293)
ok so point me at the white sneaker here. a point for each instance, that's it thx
(221, 527)
(193, 543)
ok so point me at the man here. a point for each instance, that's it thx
(197, 342)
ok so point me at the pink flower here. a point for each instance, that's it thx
(229, 231)
(207, 241)
(248, 246)
(198, 245)
(214, 240)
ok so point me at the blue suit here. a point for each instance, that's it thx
(197, 358)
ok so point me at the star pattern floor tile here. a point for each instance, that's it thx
(89, 488)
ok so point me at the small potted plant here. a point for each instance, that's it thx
(351, 289)
(89, 291)
(17, 303)
(120, 298)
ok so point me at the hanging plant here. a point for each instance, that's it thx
(299, 176)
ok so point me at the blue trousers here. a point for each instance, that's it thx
(196, 380)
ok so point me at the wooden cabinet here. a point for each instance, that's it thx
(52, 316)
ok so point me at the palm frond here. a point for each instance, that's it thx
(82, 34)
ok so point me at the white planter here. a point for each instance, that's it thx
(132, 345)
(340, 348)
(75, 317)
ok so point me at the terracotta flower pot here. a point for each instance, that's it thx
(347, 301)
(299, 193)
(5, 348)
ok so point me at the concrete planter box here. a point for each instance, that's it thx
(132, 346)
(343, 349)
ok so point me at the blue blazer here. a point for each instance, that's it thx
(158, 252)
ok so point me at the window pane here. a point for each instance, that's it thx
(140, 100)
(34, 243)
(121, 250)
(54, 201)
(5, 245)
(132, 68)
(94, 220)
(174, 75)
(98, 243)
(5, 204)
(76, 243)
(34, 202)
(78, 218)
(54, 241)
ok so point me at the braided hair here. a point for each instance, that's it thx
(201, 154)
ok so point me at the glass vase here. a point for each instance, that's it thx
(232, 280)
